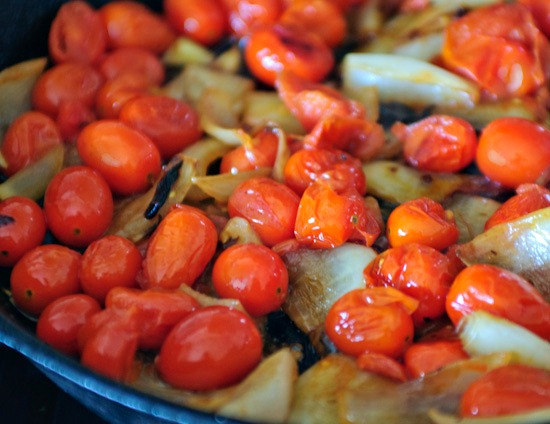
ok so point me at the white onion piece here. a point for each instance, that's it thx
(265, 108)
(482, 333)
(471, 212)
(184, 51)
(240, 231)
(407, 80)
(425, 47)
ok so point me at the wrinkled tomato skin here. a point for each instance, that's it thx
(540, 9)
(513, 143)
(261, 152)
(180, 248)
(211, 348)
(417, 270)
(77, 34)
(383, 365)
(22, 228)
(60, 321)
(116, 92)
(132, 60)
(44, 274)
(269, 206)
(425, 357)
(127, 159)
(253, 274)
(507, 390)
(501, 293)
(78, 204)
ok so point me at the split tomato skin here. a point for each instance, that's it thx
(211, 348)
(180, 248)
(501, 293)
(424, 357)
(22, 228)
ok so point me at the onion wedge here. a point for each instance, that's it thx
(471, 212)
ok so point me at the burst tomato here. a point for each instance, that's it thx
(425, 357)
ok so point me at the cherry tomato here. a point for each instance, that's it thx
(27, 139)
(529, 198)
(111, 347)
(72, 117)
(204, 21)
(279, 47)
(127, 159)
(246, 15)
(44, 274)
(67, 81)
(60, 321)
(115, 93)
(180, 248)
(78, 204)
(355, 325)
(438, 143)
(327, 217)
(381, 364)
(77, 34)
(423, 221)
(211, 348)
(321, 17)
(425, 357)
(253, 274)
(358, 136)
(500, 48)
(170, 123)
(311, 102)
(132, 24)
(501, 293)
(507, 390)
(156, 310)
(269, 206)
(132, 60)
(306, 166)
(516, 144)
(22, 228)
(417, 270)
(260, 152)
(111, 261)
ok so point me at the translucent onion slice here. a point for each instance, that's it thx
(283, 153)
(522, 246)
(184, 51)
(32, 180)
(540, 416)
(482, 333)
(425, 47)
(407, 80)
(239, 231)
(320, 277)
(265, 108)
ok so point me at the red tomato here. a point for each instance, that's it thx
(73, 115)
(269, 206)
(422, 221)
(425, 357)
(132, 24)
(327, 217)
(211, 348)
(204, 21)
(279, 47)
(66, 82)
(77, 34)
(170, 123)
(321, 17)
(383, 365)
(115, 93)
(514, 144)
(60, 321)
(78, 205)
(246, 15)
(127, 159)
(180, 248)
(540, 9)
(133, 60)
(260, 152)
(111, 261)
(27, 139)
(417, 270)
(507, 390)
(305, 167)
(358, 136)
(111, 347)
(22, 228)
(500, 48)
(355, 325)
(501, 293)
(44, 274)
(253, 274)
(156, 310)
(311, 102)
(438, 143)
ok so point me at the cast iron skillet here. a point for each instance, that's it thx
(23, 35)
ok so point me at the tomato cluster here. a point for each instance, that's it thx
(103, 297)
